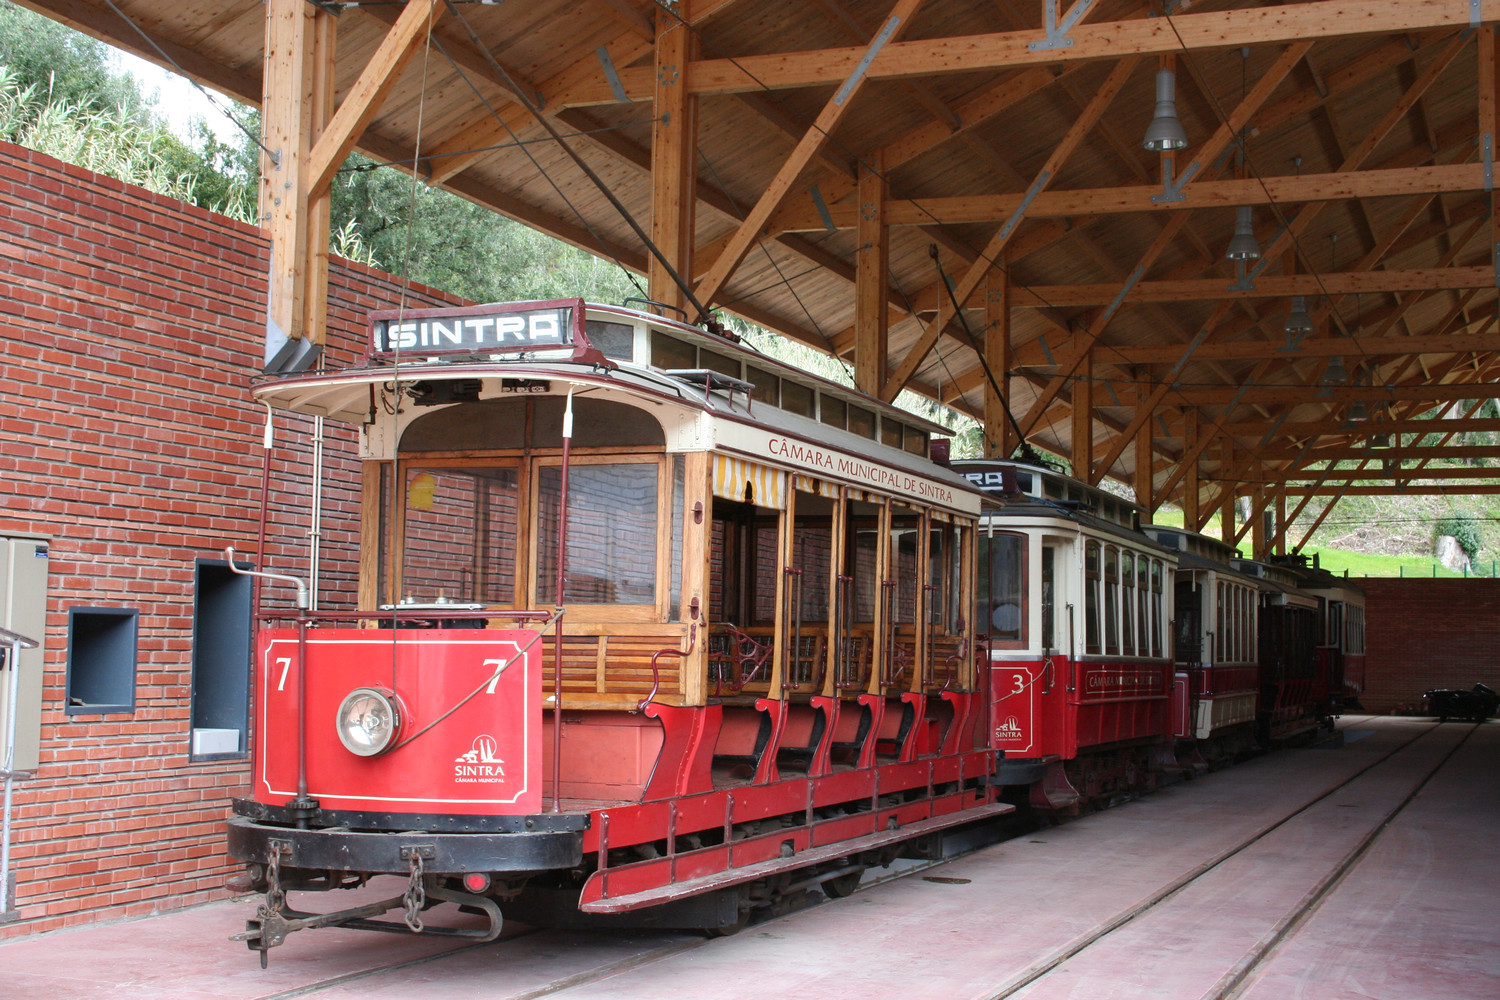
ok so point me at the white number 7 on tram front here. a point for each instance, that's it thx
(285, 662)
(499, 666)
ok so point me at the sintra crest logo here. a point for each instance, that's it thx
(1010, 729)
(480, 763)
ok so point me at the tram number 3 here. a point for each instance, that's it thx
(1020, 683)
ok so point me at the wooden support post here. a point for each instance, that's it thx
(674, 160)
(286, 129)
(1190, 486)
(1281, 525)
(1145, 469)
(872, 262)
(319, 207)
(1082, 442)
(1226, 491)
(1258, 524)
(999, 434)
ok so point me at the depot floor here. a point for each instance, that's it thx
(1361, 870)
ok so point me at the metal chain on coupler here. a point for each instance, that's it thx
(416, 894)
(275, 894)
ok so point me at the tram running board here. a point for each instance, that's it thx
(804, 859)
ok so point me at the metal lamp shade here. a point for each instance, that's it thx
(1298, 320)
(1242, 245)
(1165, 132)
(1335, 374)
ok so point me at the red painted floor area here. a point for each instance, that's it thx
(1194, 912)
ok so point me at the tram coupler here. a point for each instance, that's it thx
(270, 926)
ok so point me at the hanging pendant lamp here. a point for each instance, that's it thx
(1165, 132)
(1242, 246)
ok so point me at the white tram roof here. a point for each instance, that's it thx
(1027, 490)
(762, 408)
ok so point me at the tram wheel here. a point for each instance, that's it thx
(838, 888)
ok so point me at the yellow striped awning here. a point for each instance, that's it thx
(812, 484)
(746, 482)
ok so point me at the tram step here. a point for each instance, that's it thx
(804, 859)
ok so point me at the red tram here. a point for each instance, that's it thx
(639, 625)
(1073, 599)
(644, 621)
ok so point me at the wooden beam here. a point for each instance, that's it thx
(1000, 437)
(1199, 165)
(674, 162)
(872, 264)
(816, 137)
(1146, 36)
(1131, 199)
(1145, 468)
(1081, 440)
(1266, 287)
(1191, 490)
(364, 99)
(995, 249)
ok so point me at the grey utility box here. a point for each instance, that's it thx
(23, 609)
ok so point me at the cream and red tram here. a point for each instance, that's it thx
(1216, 691)
(1074, 605)
(642, 619)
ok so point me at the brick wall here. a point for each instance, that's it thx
(1423, 634)
(131, 325)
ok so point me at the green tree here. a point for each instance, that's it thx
(65, 66)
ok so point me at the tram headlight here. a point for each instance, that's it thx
(369, 721)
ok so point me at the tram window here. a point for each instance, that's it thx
(458, 534)
(1219, 638)
(1002, 595)
(861, 422)
(614, 340)
(1052, 489)
(720, 363)
(1143, 604)
(766, 548)
(1049, 596)
(942, 569)
(833, 412)
(1156, 606)
(890, 432)
(915, 441)
(1111, 600)
(1091, 597)
(1127, 604)
(812, 554)
(762, 383)
(860, 548)
(905, 569)
(669, 352)
(796, 398)
(612, 533)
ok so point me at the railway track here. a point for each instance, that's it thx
(1036, 981)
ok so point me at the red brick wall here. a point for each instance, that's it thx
(131, 325)
(1423, 634)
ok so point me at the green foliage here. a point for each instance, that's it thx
(1464, 528)
(444, 241)
(64, 66)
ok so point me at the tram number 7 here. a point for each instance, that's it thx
(285, 663)
(499, 666)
